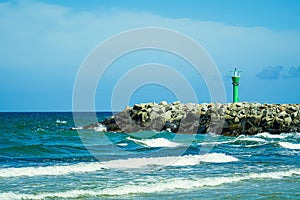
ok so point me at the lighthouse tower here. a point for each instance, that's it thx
(235, 82)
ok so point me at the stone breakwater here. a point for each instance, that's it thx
(228, 119)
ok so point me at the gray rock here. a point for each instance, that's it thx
(137, 107)
(168, 115)
(282, 114)
(288, 121)
(238, 118)
(157, 121)
(163, 103)
(176, 103)
(156, 108)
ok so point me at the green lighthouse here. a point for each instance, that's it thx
(235, 82)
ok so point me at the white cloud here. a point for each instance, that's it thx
(43, 34)
(40, 35)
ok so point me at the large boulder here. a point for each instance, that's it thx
(228, 119)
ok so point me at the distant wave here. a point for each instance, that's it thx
(238, 140)
(291, 135)
(77, 128)
(187, 160)
(122, 144)
(155, 142)
(51, 170)
(161, 185)
(252, 139)
(280, 136)
(289, 145)
(100, 128)
(269, 135)
(61, 121)
(259, 140)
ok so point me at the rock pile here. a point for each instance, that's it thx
(227, 119)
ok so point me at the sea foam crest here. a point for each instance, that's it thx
(51, 170)
(61, 121)
(161, 186)
(252, 139)
(238, 139)
(188, 184)
(271, 136)
(187, 160)
(122, 144)
(155, 142)
(100, 128)
(294, 135)
(289, 145)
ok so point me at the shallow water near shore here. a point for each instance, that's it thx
(40, 158)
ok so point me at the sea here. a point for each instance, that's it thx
(41, 158)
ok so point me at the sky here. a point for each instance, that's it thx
(43, 45)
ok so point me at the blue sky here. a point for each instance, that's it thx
(43, 44)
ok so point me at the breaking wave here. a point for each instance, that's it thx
(155, 142)
(238, 140)
(289, 145)
(51, 170)
(260, 139)
(188, 160)
(61, 121)
(269, 135)
(252, 139)
(122, 144)
(162, 185)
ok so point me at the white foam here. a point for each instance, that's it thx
(155, 142)
(271, 136)
(77, 128)
(122, 144)
(100, 128)
(293, 135)
(187, 184)
(187, 160)
(240, 138)
(67, 194)
(61, 122)
(255, 145)
(289, 145)
(161, 185)
(51, 170)
(252, 139)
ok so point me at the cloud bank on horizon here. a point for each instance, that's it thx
(279, 72)
(43, 45)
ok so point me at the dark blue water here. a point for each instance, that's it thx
(41, 158)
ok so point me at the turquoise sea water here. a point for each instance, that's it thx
(40, 158)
